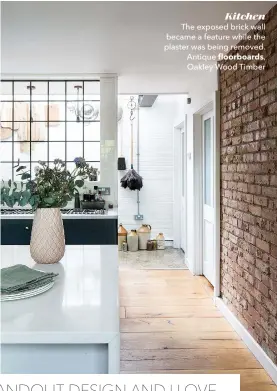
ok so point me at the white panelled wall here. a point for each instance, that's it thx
(156, 128)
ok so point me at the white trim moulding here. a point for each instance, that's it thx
(249, 341)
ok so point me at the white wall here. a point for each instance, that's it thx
(156, 126)
(108, 137)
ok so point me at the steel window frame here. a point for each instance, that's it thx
(48, 122)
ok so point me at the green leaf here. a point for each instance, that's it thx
(79, 183)
(16, 195)
(9, 200)
(5, 190)
(15, 185)
(49, 200)
(25, 175)
(20, 168)
(9, 182)
(25, 198)
(23, 201)
(33, 201)
(3, 198)
(26, 194)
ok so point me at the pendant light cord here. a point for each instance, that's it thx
(132, 106)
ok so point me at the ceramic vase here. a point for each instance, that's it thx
(144, 233)
(47, 238)
(132, 240)
(122, 237)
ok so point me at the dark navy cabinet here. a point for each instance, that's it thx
(90, 231)
(16, 231)
(77, 231)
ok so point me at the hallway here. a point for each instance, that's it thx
(170, 325)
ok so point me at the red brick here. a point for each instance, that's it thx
(269, 304)
(267, 75)
(272, 109)
(247, 137)
(249, 147)
(248, 178)
(273, 180)
(274, 251)
(267, 145)
(262, 179)
(236, 140)
(264, 100)
(272, 84)
(249, 218)
(271, 331)
(268, 122)
(270, 191)
(259, 200)
(262, 245)
(271, 261)
(262, 288)
(261, 134)
(263, 266)
(261, 157)
(272, 132)
(254, 105)
(242, 187)
(255, 210)
(253, 84)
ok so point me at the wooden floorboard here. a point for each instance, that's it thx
(143, 325)
(139, 301)
(143, 360)
(172, 312)
(169, 324)
(179, 340)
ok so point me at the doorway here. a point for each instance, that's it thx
(206, 193)
(208, 186)
(180, 186)
(183, 190)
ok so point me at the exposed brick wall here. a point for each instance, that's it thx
(249, 193)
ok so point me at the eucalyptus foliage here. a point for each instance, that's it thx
(52, 187)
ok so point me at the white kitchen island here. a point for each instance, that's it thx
(73, 327)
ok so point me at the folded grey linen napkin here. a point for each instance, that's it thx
(20, 278)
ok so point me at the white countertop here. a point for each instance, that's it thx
(82, 306)
(110, 214)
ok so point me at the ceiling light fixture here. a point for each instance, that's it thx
(83, 111)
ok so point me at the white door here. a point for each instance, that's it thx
(208, 197)
(183, 190)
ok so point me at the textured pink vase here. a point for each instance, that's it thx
(47, 239)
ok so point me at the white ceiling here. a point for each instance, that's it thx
(105, 37)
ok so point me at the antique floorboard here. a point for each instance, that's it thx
(169, 324)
